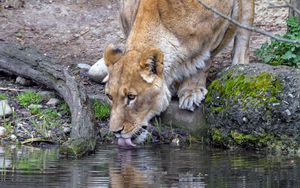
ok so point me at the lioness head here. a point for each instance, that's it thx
(136, 90)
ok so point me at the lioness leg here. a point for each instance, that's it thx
(241, 40)
(128, 11)
(192, 91)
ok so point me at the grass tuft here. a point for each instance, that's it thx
(29, 97)
(102, 111)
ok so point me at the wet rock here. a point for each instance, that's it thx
(98, 71)
(83, 66)
(35, 106)
(255, 106)
(22, 81)
(3, 132)
(192, 122)
(5, 109)
(53, 102)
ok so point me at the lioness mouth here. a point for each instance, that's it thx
(125, 142)
(137, 138)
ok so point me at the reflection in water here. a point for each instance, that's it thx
(157, 166)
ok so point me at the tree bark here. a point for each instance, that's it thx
(29, 63)
(296, 4)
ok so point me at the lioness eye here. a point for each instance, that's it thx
(109, 97)
(131, 97)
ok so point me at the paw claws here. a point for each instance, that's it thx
(192, 98)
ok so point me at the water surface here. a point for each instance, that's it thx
(149, 166)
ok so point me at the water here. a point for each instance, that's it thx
(151, 166)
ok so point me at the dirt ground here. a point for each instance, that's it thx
(70, 31)
(76, 31)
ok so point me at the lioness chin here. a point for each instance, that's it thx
(168, 41)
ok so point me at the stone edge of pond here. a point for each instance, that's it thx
(243, 120)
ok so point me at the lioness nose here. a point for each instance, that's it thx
(118, 131)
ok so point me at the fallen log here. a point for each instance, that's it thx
(29, 63)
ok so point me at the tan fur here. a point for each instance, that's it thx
(129, 177)
(168, 41)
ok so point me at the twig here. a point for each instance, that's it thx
(278, 6)
(286, 5)
(253, 29)
(292, 7)
(18, 90)
(13, 89)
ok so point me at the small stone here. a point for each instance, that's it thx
(84, 66)
(35, 106)
(5, 109)
(46, 94)
(275, 104)
(13, 137)
(175, 142)
(49, 133)
(53, 102)
(288, 112)
(291, 95)
(14, 4)
(24, 113)
(245, 119)
(2, 131)
(22, 81)
(98, 71)
(67, 130)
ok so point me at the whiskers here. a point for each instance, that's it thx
(140, 135)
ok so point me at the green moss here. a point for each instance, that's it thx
(29, 97)
(77, 147)
(217, 137)
(2, 97)
(256, 91)
(102, 111)
(234, 138)
(240, 139)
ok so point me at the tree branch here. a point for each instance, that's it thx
(286, 5)
(253, 29)
(29, 63)
(292, 7)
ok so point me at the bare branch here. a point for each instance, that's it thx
(253, 29)
(286, 5)
(292, 7)
(278, 6)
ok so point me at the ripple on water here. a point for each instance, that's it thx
(149, 166)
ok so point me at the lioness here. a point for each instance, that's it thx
(168, 41)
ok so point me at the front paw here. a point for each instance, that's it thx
(189, 99)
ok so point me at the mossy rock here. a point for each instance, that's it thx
(255, 106)
(76, 148)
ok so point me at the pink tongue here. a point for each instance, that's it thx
(125, 142)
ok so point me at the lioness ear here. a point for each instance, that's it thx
(152, 64)
(111, 55)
